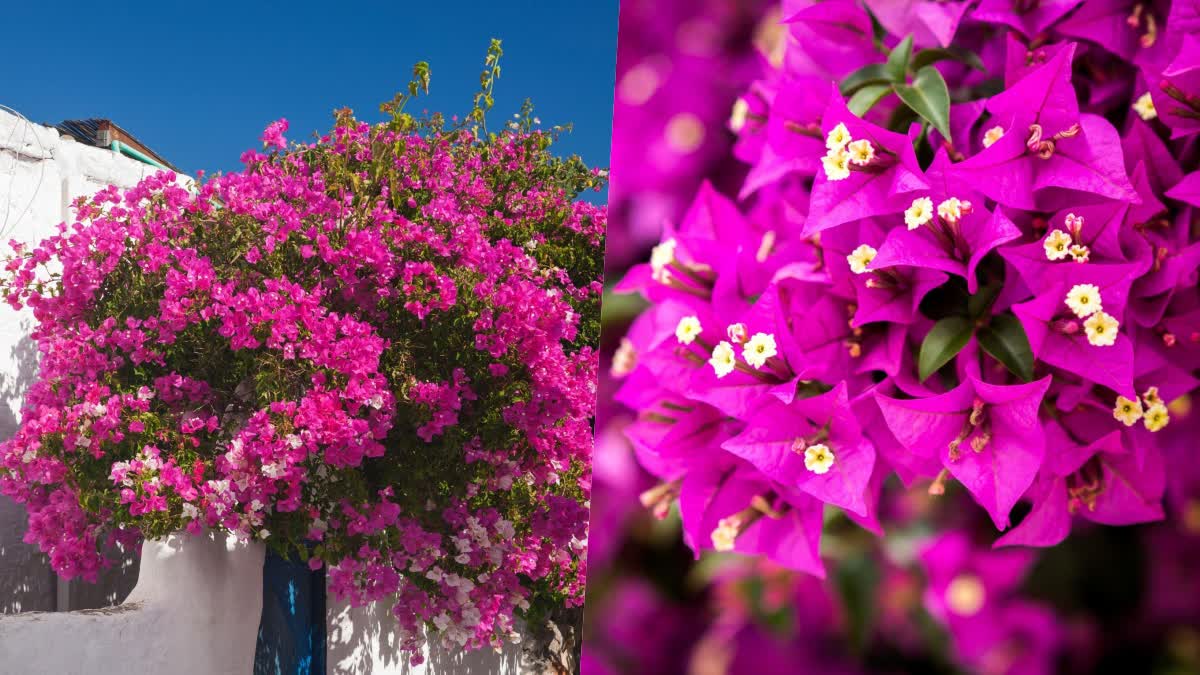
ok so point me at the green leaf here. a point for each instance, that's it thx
(979, 304)
(856, 581)
(1005, 340)
(929, 98)
(864, 99)
(944, 341)
(949, 299)
(928, 57)
(897, 60)
(874, 73)
(878, 32)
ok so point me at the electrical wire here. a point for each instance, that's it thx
(7, 226)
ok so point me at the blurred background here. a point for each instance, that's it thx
(1108, 600)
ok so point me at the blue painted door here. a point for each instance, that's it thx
(291, 636)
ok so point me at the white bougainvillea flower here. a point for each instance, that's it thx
(1101, 329)
(1058, 245)
(1144, 107)
(760, 348)
(861, 152)
(1127, 412)
(1156, 417)
(1084, 300)
(992, 135)
(836, 164)
(838, 138)
(919, 213)
(661, 256)
(818, 458)
(860, 257)
(688, 329)
(723, 360)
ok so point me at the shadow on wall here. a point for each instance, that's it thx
(27, 583)
(364, 641)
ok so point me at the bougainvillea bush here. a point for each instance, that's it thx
(962, 264)
(375, 351)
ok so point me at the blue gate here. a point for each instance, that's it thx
(291, 635)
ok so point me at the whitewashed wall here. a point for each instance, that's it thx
(41, 173)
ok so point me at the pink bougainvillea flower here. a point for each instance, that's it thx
(988, 437)
(779, 440)
(884, 184)
(735, 509)
(1048, 148)
(1100, 481)
(932, 24)
(957, 233)
(1176, 90)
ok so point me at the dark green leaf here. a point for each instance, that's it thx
(874, 73)
(944, 342)
(928, 57)
(979, 304)
(878, 32)
(929, 98)
(864, 99)
(897, 60)
(949, 299)
(1004, 338)
(856, 581)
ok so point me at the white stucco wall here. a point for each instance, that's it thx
(195, 611)
(41, 173)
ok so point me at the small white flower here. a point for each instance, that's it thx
(818, 458)
(1144, 107)
(992, 135)
(724, 537)
(1101, 329)
(952, 209)
(860, 258)
(737, 116)
(1084, 300)
(723, 359)
(1057, 245)
(861, 152)
(1079, 253)
(294, 441)
(624, 359)
(837, 138)
(377, 401)
(1127, 412)
(264, 533)
(1156, 417)
(760, 348)
(836, 164)
(688, 329)
(661, 256)
(190, 511)
(919, 213)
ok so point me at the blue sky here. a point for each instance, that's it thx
(197, 81)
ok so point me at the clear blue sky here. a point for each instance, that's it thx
(198, 81)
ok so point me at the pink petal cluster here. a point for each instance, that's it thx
(999, 295)
(346, 350)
